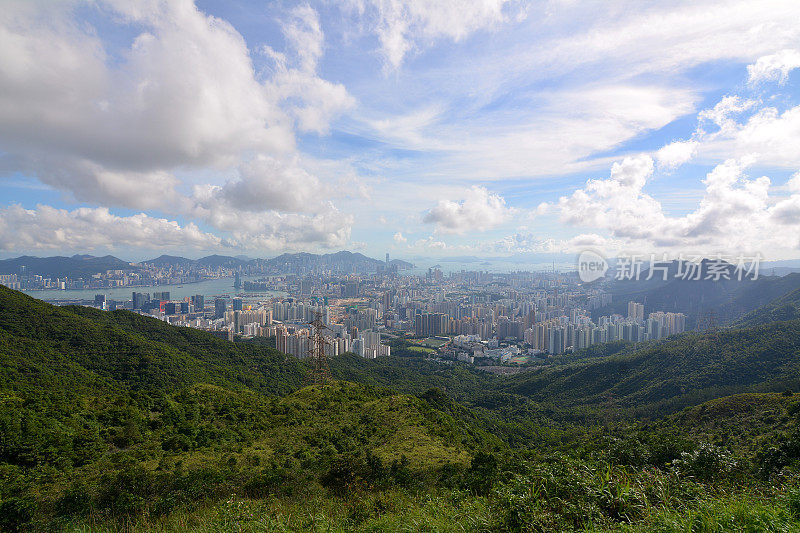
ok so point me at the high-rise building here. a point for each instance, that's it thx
(219, 307)
(636, 312)
(199, 303)
(351, 289)
(140, 299)
(238, 304)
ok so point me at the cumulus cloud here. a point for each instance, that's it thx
(82, 229)
(774, 67)
(48, 228)
(184, 92)
(675, 154)
(735, 215)
(478, 211)
(264, 183)
(399, 238)
(430, 243)
(766, 133)
(273, 230)
(116, 123)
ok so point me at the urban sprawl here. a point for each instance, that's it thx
(515, 317)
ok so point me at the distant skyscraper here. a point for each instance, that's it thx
(387, 258)
(219, 308)
(237, 304)
(351, 289)
(140, 299)
(199, 303)
(237, 281)
(636, 312)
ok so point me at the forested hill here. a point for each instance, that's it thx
(666, 376)
(786, 307)
(71, 344)
(134, 422)
(132, 417)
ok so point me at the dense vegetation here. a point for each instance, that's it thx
(786, 307)
(114, 421)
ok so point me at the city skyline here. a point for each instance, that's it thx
(485, 128)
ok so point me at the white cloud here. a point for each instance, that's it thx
(116, 126)
(48, 228)
(265, 183)
(767, 134)
(774, 67)
(430, 243)
(478, 211)
(273, 230)
(311, 100)
(559, 135)
(184, 93)
(724, 113)
(735, 215)
(399, 239)
(675, 154)
(405, 25)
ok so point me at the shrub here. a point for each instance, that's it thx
(16, 513)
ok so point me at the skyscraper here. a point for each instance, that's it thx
(636, 312)
(139, 299)
(219, 308)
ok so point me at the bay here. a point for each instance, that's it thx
(208, 288)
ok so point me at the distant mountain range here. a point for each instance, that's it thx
(84, 266)
(343, 261)
(77, 266)
(340, 261)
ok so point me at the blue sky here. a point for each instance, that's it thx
(469, 127)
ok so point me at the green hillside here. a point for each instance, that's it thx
(666, 376)
(786, 307)
(111, 421)
(147, 416)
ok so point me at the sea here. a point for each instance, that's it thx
(208, 288)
